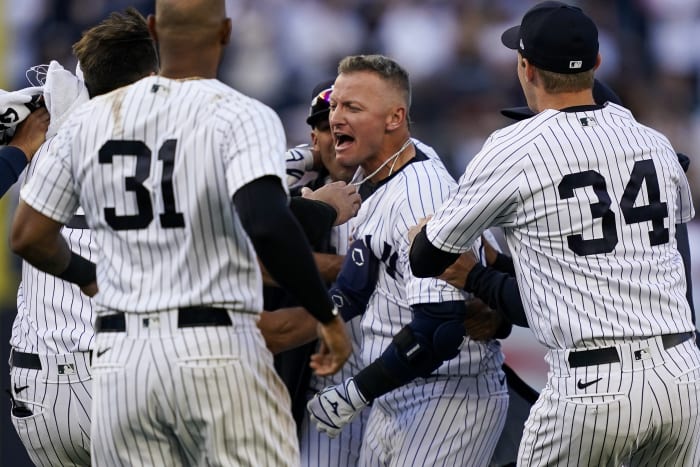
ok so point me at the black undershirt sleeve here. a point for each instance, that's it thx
(499, 291)
(427, 260)
(280, 244)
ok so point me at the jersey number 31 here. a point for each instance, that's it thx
(655, 211)
(170, 218)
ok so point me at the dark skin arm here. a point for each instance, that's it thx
(38, 239)
(287, 328)
(31, 133)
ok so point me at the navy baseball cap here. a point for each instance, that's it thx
(320, 98)
(601, 94)
(555, 37)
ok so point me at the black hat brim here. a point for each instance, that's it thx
(511, 37)
(316, 117)
(517, 113)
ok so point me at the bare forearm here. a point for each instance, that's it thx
(39, 241)
(287, 328)
(328, 265)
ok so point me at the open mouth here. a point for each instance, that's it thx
(342, 141)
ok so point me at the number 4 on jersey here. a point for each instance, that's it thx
(170, 218)
(655, 211)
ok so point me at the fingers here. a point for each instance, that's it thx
(413, 231)
(31, 133)
(334, 350)
(90, 289)
(343, 197)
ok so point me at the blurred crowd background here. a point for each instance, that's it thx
(461, 74)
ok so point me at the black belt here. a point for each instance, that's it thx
(609, 354)
(189, 317)
(25, 360)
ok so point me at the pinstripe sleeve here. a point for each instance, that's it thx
(52, 190)
(487, 195)
(258, 148)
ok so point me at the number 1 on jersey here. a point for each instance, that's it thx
(170, 218)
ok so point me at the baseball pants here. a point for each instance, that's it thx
(51, 406)
(642, 407)
(188, 388)
(437, 421)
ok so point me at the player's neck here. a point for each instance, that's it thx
(563, 100)
(395, 157)
(184, 68)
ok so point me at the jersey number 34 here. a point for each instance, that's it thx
(170, 218)
(655, 211)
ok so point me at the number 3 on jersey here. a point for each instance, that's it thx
(655, 211)
(138, 149)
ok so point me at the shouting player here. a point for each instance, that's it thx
(589, 200)
(424, 412)
(171, 172)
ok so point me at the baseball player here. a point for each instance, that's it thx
(589, 199)
(14, 157)
(170, 172)
(53, 334)
(316, 448)
(424, 412)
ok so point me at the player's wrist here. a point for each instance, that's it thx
(79, 271)
(330, 318)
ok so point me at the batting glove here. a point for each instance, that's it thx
(336, 406)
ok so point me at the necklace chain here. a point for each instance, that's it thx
(393, 158)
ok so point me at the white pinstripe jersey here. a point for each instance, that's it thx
(589, 201)
(53, 316)
(154, 165)
(413, 192)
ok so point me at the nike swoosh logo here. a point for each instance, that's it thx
(582, 385)
(100, 352)
(20, 389)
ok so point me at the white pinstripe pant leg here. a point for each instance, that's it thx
(642, 411)
(57, 432)
(451, 421)
(193, 396)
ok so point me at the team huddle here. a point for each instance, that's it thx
(158, 203)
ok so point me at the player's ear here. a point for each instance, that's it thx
(598, 61)
(152, 27)
(314, 141)
(225, 33)
(396, 118)
(529, 69)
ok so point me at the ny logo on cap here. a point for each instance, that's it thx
(575, 64)
(522, 46)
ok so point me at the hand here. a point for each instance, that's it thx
(489, 251)
(413, 231)
(456, 274)
(31, 133)
(335, 407)
(482, 323)
(90, 289)
(334, 350)
(343, 197)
